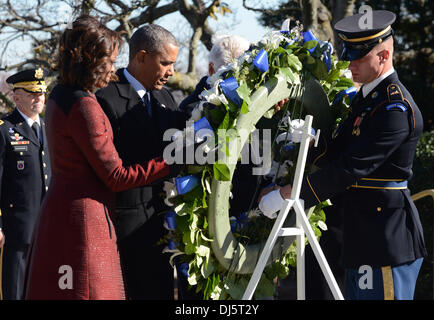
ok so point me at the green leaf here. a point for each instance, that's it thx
(221, 172)
(310, 44)
(244, 92)
(342, 64)
(294, 62)
(244, 108)
(207, 269)
(288, 74)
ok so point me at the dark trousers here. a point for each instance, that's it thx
(13, 271)
(146, 270)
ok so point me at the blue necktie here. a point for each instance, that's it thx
(147, 99)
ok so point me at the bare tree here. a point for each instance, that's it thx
(43, 21)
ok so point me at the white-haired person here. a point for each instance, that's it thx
(225, 49)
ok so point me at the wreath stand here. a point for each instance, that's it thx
(301, 229)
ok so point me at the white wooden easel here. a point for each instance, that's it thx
(301, 229)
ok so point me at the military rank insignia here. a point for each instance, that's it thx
(39, 73)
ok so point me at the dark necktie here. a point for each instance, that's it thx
(35, 127)
(147, 100)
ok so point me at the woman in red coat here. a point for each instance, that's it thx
(74, 254)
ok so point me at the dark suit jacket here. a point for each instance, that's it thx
(24, 175)
(138, 138)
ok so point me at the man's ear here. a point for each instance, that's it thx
(141, 56)
(385, 55)
(16, 96)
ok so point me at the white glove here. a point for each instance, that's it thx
(271, 203)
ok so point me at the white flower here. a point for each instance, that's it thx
(171, 192)
(196, 114)
(347, 74)
(254, 213)
(246, 57)
(213, 95)
(322, 225)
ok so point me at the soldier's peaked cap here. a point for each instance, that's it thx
(361, 32)
(30, 80)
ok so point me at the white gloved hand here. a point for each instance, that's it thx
(271, 203)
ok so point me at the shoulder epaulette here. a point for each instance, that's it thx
(1, 122)
(394, 93)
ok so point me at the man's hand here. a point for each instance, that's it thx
(265, 191)
(285, 191)
(2, 239)
(280, 104)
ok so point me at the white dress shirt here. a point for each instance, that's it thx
(31, 121)
(371, 85)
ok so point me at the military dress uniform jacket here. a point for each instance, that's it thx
(369, 163)
(24, 174)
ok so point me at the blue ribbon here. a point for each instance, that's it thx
(170, 218)
(186, 184)
(183, 269)
(327, 56)
(350, 92)
(229, 88)
(202, 124)
(241, 221)
(172, 244)
(308, 36)
(261, 61)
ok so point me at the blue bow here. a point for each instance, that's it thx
(172, 244)
(308, 36)
(202, 124)
(229, 88)
(240, 221)
(183, 269)
(170, 218)
(350, 92)
(261, 61)
(186, 184)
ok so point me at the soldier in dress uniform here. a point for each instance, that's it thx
(24, 175)
(368, 164)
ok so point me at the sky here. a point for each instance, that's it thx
(241, 22)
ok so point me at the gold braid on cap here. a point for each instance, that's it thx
(343, 37)
(32, 86)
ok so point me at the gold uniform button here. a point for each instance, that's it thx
(21, 153)
(43, 153)
(46, 177)
(11, 205)
(46, 188)
(378, 209)
(45, 165)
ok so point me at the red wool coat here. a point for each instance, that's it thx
(74, 253)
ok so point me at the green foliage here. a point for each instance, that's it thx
(423, 179)
(295, 63)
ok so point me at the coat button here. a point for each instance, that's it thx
(43, 153)
(378, 209)
(46, 188)
(46, 177)
(11, 205)
(44, 164)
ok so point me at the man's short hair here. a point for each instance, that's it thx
(151, 38)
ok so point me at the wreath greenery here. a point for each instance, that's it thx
(294, 57)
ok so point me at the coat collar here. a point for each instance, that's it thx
(20, 125)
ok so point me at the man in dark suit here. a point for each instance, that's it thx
(24, 175)
(140, 110)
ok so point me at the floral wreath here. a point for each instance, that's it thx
(218, 253)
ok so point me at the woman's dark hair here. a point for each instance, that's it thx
(84, 51)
